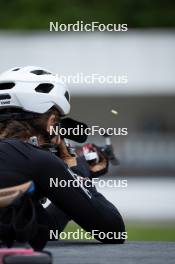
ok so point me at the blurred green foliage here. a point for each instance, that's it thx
(141, 231)
(36, 14)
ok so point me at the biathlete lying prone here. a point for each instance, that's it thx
(30, 103)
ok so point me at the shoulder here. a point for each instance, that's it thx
(33, 153)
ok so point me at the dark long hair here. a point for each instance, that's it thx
(24, 129)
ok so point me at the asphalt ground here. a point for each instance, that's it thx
(74, 252)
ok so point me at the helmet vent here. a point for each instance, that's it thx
(67, 96)
(6, 86)
(40, 72)
(44, 88)
(16, 69)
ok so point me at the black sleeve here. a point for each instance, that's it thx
(82, 167)
(89, 210)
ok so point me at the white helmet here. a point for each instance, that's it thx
(33, 89)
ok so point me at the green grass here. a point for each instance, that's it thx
(159, 232)
(142, 231)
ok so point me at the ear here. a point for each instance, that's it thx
(51, 121)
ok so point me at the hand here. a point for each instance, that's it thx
(101, 166)
(64, 153)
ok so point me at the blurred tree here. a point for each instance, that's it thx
(36, 14)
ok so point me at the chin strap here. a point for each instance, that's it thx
(50, 147)
(46, 146)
